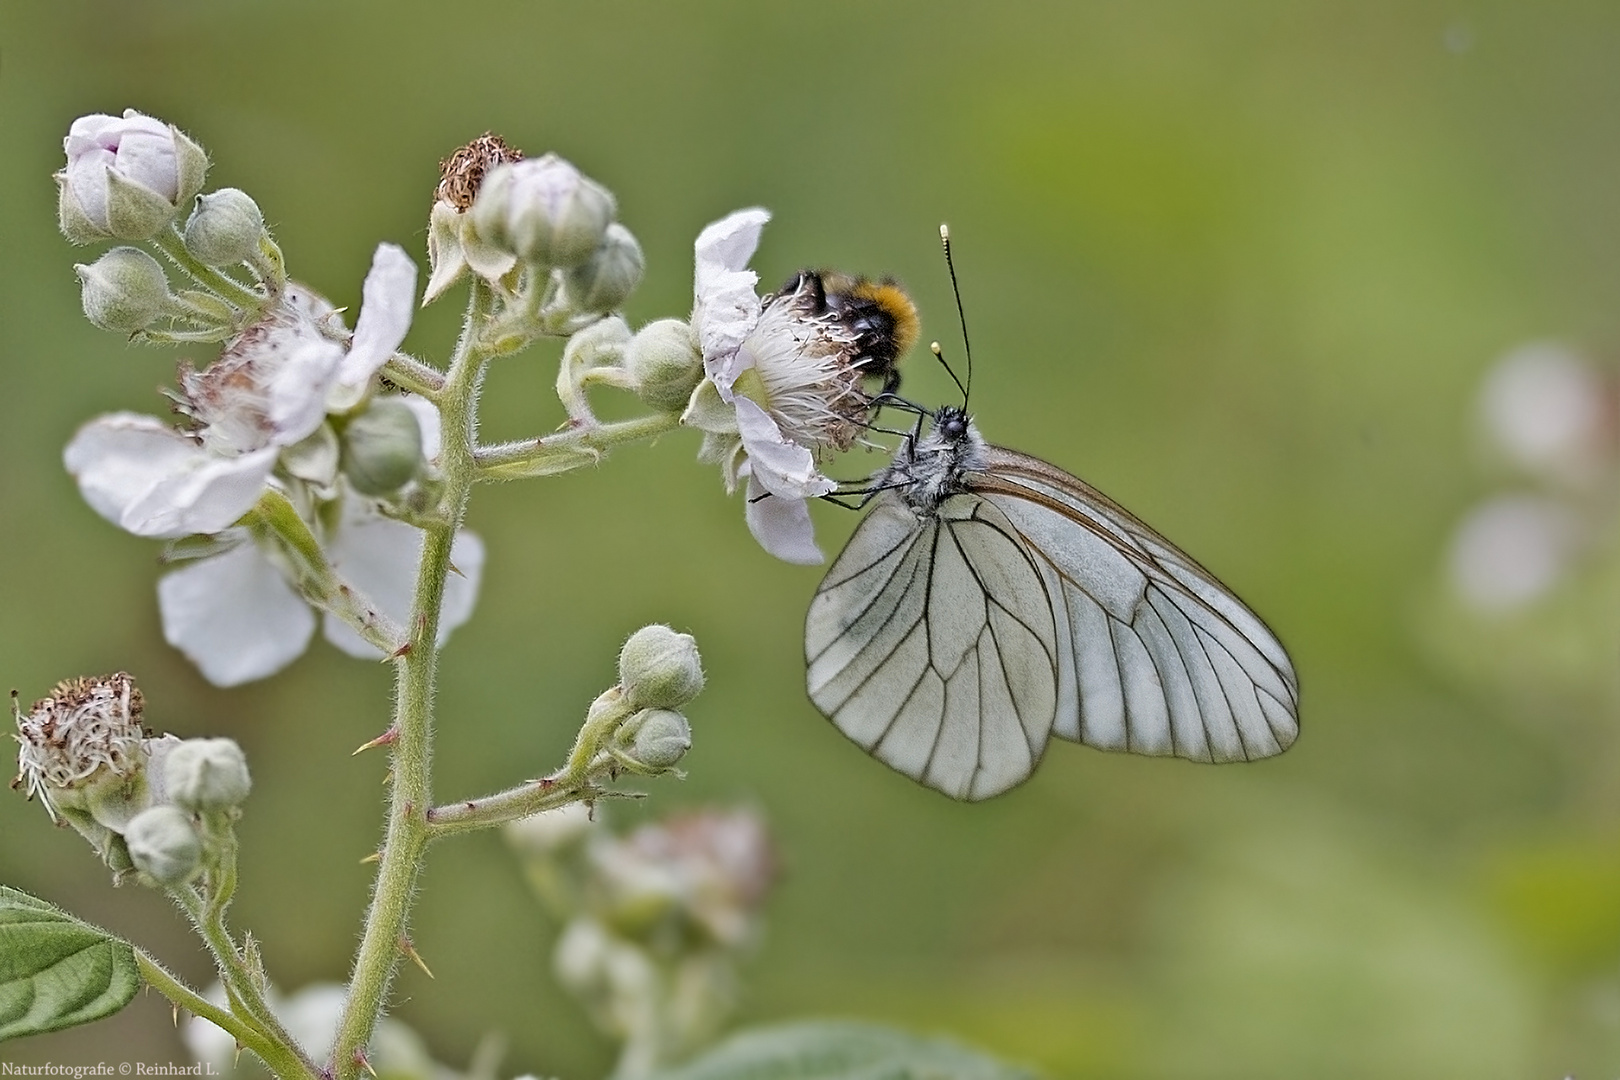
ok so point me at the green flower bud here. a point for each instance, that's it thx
(603, 281)
(382, 447)
(660, 669)
(207, 775)
(666, 362)
(164, 845)
(656, 738)
(224, 228)
(124, 291)
(543, 210)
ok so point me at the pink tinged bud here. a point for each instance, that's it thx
(126, 177)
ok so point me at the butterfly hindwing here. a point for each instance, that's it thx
(932, 643)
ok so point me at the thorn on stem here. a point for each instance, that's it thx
(375, 856)
(409, 950)
(387, 738)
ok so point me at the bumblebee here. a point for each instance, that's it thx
(880, 315)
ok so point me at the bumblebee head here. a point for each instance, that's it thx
(880, 314)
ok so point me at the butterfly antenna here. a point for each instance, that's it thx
(961, 316)
(939, 354)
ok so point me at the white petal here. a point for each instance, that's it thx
(386, 304)
(379, 556)
(782, 526)
(145, 477)
(782, 466)
(234, 616)
(726, 306)
(300, 383)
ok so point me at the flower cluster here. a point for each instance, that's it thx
(655, 921)
(157, 806)
(289, 412)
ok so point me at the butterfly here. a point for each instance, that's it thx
(988, 601)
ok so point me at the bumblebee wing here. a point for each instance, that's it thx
(932, 643)
(1159, 657)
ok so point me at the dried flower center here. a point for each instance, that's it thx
(462, 173)
(84, 726)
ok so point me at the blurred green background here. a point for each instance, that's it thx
(1240, 265)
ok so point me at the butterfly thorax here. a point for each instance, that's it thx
(929, 469)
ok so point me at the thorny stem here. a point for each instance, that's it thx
(241, 985)
(285, 1061)
(407, 832)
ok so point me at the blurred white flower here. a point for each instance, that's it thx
(236, 617)
(1550, 412)
(311, 1017)
(1512, 550)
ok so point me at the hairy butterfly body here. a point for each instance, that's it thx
(988, 601)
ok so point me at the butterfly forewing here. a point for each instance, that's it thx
(1184, 667)
(932, 644)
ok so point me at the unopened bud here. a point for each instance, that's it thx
(124, 291)
(164, 845)
(224, 228)
(382, 447)
(666, 362)
(606, 279)
(660, 669)
(207, 775)
(125, 177)
(657, 738)
(543, 210)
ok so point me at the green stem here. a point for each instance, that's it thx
(172, 244)
(407, 834)
(240, 984)
(284, 1061)
(409, 373)
(567, 450)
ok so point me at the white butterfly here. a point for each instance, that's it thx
(988, 601)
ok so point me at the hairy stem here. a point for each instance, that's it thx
(284, 1061)
(415, 671)
(567, 450)
(172, 244)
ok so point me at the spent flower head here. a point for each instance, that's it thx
(85, 731)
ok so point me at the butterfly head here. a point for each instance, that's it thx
(930, 468)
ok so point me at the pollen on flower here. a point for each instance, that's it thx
(462, 173)
(807, 356)
(83, 728)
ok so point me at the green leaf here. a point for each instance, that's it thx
(839, 1050)
(55, 971)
